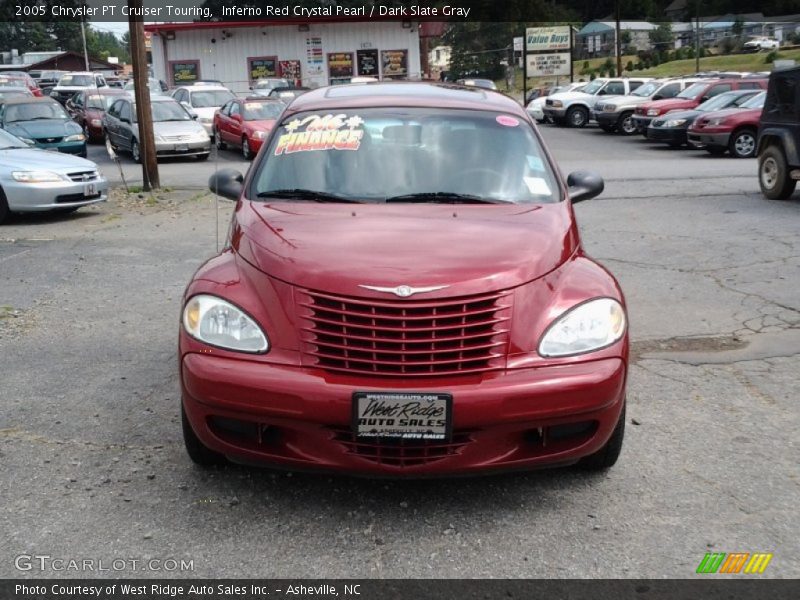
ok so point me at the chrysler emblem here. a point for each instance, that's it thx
(403, 291)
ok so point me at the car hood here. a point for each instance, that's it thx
(625, 100)
(671, 104)
(570, 96)
(30, 159)
(207, 112)
(72, 88)
(177, 128)
(470, 249)
(40, 129)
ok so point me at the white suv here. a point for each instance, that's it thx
(204, 101)
(575, 108)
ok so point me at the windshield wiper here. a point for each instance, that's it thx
(301, 194)
(445, 198)
(39, 119)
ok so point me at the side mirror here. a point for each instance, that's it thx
(584, 185)
(227, 183)
(704, 98)
(602, 93)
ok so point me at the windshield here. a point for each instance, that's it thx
(8, 141)
(76, 80)
(268, 84)
(647, 90)
(594, 86)
(724, 101)
(34, 112)
(168, 111)
(262, 111)
(692, 90)
(210, 98)
(14, 83)
(13, 94)
(756, 101)
(371, 155)
(102, 102)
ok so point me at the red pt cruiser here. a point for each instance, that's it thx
(404, 293)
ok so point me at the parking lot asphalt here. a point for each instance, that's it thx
(93, 465)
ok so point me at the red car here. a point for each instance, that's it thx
(245, 122)
(404, 293)
(690, 98)
(733, 130)
(24, 80)
(88, 107)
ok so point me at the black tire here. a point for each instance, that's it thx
(135, 152)
(607, 456)
(577, 117)
(200, 454)
(625, 123)
(716, 150)
(675, 144)
(218, 141)
(773, 174)
(4, 212)
(743, 143)
(246, 152)
(202, 157)
(608, 128)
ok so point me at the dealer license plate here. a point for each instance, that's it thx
(403, 415)
(90, 189)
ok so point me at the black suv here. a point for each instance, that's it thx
(779, 136)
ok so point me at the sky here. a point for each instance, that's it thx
(115, 27)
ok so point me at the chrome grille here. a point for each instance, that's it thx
(81, 176)
(404, 337)
(401, 453)
(176, 138)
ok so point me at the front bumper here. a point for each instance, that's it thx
(536, 112)
(35, 197)
(207, 125)
(605, 118)
(672, 135)
(555, 113)
(300, 418)
(642, 123)
(183, 148)
(65, 147)
(699, 138)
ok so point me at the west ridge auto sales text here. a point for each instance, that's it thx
(175, 591)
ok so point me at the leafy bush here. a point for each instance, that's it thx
(770, 58)
(629, 66)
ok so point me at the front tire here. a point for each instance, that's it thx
(743, 143)
(4, 211)
(577, 117)
(135, 152)
(218, 141)
(625, 124)
(246, 152)
(773, 174)
(200, 454)
(202, 157)
(607, 456)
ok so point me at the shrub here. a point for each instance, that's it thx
(770, 58)
(629, 66)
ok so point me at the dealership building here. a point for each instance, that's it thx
(312, 53)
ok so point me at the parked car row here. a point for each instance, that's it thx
(719, 113)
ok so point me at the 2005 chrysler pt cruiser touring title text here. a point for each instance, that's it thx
(404, 293)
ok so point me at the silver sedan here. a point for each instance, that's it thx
(33, 180)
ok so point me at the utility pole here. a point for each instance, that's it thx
(85, 51)
(618, 40)
(144, 113)
(697, 36)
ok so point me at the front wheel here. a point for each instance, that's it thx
(577, 116)
(246, 152)
(202, 157)
(607, 456)
(135, 152)
(625, 124)
(743, 144)
(773, 174)
(218, 141)
(200, 454)
(4, 212)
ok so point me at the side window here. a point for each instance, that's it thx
(114, 110)
(77, 100)
(226, 108)
(180, 95)
(125, 111)
(635, 84)
(234, 108)
(614, 88)
(670, 91)
(749, 85)
(719, 89)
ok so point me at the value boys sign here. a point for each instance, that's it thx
(548, 51)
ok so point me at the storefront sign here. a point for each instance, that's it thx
(394, 63)
(367, 63)
(340, 67)
(545, 65)
(290, 70)
(184, 71)
(543, 39)
(262, 67)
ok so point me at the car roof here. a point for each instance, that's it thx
(105, 92)
(265, 99)
(203, 87)
(81, 73)
(408, 94)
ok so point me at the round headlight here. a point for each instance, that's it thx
(587, 327)
(219, 323)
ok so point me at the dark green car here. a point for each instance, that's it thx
(43, 122)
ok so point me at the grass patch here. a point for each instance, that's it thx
(731, 62)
